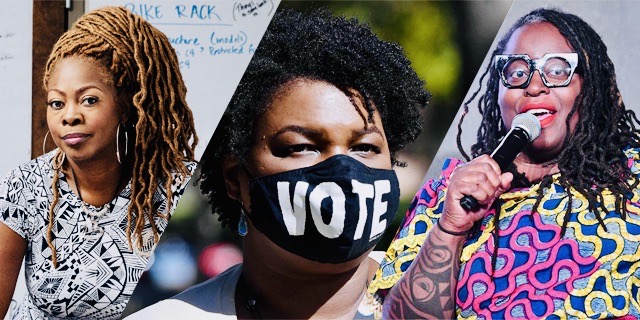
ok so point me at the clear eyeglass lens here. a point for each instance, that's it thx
(516, 72)
(556, 71)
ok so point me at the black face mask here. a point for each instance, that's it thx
(331, 212)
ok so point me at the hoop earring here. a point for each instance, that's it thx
(44, 151)
(44, 143)
(126, 143)
(242, 223)
(64, 157)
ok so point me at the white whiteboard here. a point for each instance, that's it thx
(214, 40)
(16, 43)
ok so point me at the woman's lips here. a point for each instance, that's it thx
(544, 116)
(73, 139)
(545, 113)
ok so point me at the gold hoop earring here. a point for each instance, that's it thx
(126, 143)
(44, 143)
(44, 151)
(64, 157)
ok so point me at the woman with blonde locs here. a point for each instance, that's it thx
(87, 215)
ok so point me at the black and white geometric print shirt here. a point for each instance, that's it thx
(97, 271)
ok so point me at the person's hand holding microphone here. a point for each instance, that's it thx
(474, 187)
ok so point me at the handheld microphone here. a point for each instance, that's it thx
(524, 129)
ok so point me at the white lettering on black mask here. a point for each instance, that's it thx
(331, 212)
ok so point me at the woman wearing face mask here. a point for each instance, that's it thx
(300, 166)
(87, 215)
(556, 233)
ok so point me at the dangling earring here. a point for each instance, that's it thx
(64, 156)
(44, 143)
(44, 151)
(242, 223)
(126, 143)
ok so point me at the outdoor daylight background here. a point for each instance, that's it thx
(446, 42)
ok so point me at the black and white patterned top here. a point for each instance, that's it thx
(96, 272)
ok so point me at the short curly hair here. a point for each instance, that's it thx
(315, 46)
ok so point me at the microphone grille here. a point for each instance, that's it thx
(527, 122)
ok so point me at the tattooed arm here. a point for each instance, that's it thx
(427, 290)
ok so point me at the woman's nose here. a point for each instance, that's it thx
(336, 150)
(536, 86)
(72, 115)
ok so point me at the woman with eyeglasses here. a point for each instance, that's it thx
(557, 233)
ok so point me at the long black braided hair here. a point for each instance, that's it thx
(592, 158)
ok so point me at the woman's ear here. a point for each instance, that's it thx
(231, 175)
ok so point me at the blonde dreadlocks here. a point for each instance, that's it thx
(150, 91)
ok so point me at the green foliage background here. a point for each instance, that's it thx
(446, 44)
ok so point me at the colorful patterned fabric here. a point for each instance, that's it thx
(588, 273)
(96, 274)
